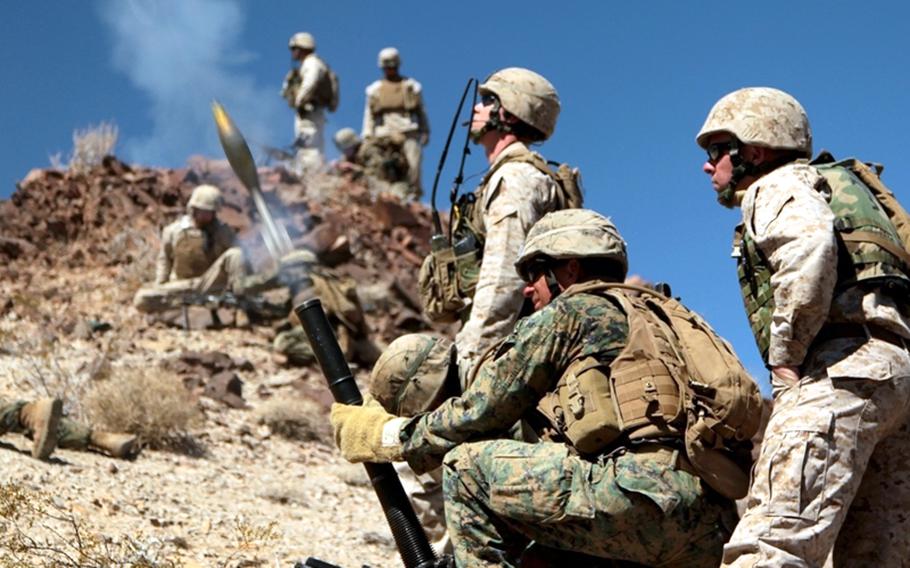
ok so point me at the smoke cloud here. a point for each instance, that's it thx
(182, 54)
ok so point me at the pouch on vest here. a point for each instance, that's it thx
(722, 404)
(191, 254)
(447, 279)
(638, 395)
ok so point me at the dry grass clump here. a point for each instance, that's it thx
(295, 419)
(92, 144)
(36, 530)
(149, 403)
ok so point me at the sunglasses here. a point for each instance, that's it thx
(537, 269)
(488, 99)
(717, 150)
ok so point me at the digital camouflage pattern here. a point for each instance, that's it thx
(833, 469)
(850, 407)
(761, 116)
(527, 95)
(507, 388)
(786, 208)
(572, 233)
(506, 206)
(632, 507)
(857, 215)
(411, 374)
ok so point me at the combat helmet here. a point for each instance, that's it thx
(414, 374)
(760, 116)
(346, 139)
(389, 57)
(527, 95)
(303, 40)
(572, 233)
(205, 197)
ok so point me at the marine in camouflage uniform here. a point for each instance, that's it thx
(303, 90)
(43, 422)
(394, 107)
(517, 107)
(831, 322)
(300, 272)
(198, 254)
(381, 160)
(631, 502)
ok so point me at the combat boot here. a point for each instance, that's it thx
(41, 419)
(121, 446)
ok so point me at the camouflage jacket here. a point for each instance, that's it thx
(787, 216)
(511, 201)
(509, 385)
(312, 72)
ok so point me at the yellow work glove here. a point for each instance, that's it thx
(367, 433)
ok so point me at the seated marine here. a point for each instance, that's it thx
(198, 254)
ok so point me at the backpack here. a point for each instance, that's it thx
(869, 174)
(722, 402)
(329, 90)
(567, 178)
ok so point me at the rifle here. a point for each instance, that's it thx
(409, 537)
(254, 305)
(459, 179)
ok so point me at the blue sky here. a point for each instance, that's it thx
(636, 81)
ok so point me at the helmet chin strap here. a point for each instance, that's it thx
(741, 169)
(553, 284)
(494, 122)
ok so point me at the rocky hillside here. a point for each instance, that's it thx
(251, 478)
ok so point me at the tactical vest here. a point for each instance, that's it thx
(394, 96)
(870, 252)
(638, 395)
(675, 376)
(469, 224)
(193, 253)
(449, 275)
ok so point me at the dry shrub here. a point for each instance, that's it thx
(296, 419)
(36, 530)
(149, 403)
(92, 144)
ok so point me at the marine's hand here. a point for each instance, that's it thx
(366, 433)
(787, 374)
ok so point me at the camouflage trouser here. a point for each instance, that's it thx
(228, 269)
(294, 345)
(502, 494)
(309, 139)
(830, 443)
(70, 434)
(424, 491)
(413, 152)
